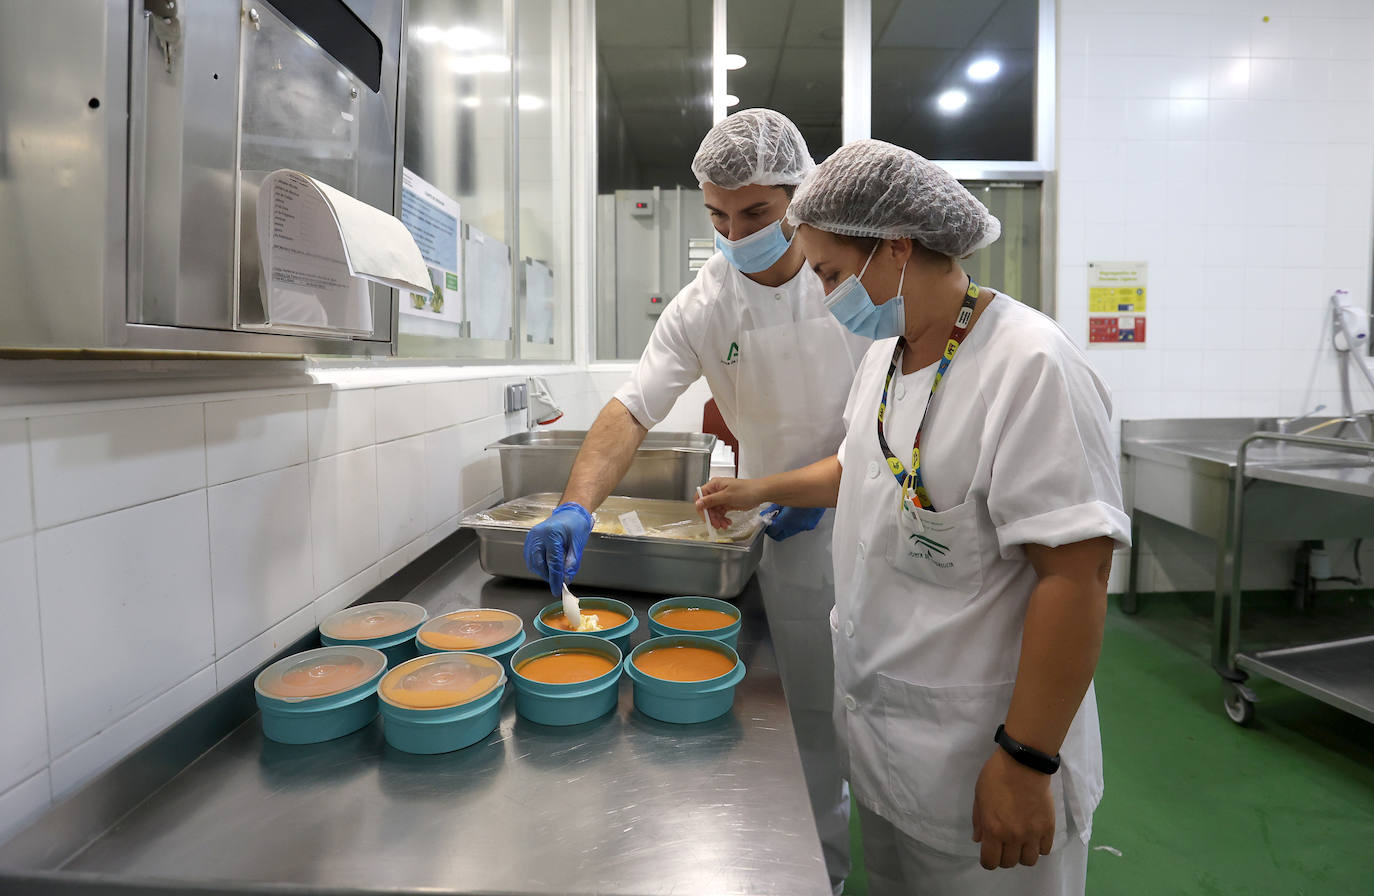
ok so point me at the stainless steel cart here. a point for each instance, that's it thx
(1235, 480)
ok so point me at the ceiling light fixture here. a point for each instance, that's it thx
(951, 101)
(984, 69)
(734, 62)
(731, 100)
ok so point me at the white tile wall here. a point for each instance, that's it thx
(77, 766)
(208, 534)
(16, 507)
(247, 436)
(259, 531)
(85, 464)
(341, 420)
(400, 411)
(343, 515)
(1230, 147)
(23, 803)
(401, 492)
(250, 657)
(443, 467)
(23, 741)
(126, 612)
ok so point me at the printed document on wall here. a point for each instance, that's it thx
(435, 220)
(319, 247)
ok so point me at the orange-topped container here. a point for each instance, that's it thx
(441, 702)
(389, 626)
(320, 694)
(485, 630)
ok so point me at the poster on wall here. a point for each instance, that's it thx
(434, 219)
(1117, 291)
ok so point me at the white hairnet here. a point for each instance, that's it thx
(872, 188)
(755, 146)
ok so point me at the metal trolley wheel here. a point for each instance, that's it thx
(1239, 708)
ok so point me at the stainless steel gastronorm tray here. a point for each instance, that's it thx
(655, 564)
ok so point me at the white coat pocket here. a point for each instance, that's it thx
(937, 741)
(941, 548)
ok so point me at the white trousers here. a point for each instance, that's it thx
(899, 865)
(796, 580)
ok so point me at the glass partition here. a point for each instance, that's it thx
(650, 57)
(458, 139)
(545, 171)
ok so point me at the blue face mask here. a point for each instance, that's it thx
(757, 252)
(850, 304)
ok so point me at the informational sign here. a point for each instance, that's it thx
(1117, 292)
(487, 276)
(435, 220)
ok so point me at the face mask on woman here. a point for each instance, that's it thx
(851, 305)
(757, 252)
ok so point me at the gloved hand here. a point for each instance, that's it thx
(553, 549)
(791, 520)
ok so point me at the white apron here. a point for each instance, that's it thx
(793, 382)
(929, 610)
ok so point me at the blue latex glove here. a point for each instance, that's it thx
(553, 549)
(791, 520)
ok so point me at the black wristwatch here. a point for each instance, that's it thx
(1027, 756)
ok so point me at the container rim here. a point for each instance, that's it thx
(637, 673)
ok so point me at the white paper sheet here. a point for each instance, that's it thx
(435, 220)
(538, 302)
(318, 247)
(486, 278)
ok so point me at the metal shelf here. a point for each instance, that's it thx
(1340, 673)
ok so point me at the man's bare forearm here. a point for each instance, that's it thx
(605, 456)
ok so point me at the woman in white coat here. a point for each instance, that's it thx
(979, 501)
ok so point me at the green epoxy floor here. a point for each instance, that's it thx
(1198, 805)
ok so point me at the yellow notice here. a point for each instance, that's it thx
(1117, 286)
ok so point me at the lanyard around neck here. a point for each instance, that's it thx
(912, 478)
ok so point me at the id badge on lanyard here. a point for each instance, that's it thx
(914, 494)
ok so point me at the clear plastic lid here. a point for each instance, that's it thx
(470, 629)
(367, 622)
(441, 680)
(318, 673)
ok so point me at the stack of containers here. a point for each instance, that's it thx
(441, 702)
(494, 633)
(389, 626)
(320, 694)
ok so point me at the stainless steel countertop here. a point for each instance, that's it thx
(621, 805)
(1209, 447)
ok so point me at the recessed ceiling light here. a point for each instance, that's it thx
(734, 62)
(731, 100)
(529, 102)
(984, 69)
(952, 101)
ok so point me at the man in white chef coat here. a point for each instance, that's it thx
(754, 323)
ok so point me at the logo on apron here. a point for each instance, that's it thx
(732, 355)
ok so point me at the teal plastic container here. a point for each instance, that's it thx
(320, 694)
(441, 702)
(684, 702)
(485, 630)
(566, 704)
(727, 635)
(619, 636)
(388, 625)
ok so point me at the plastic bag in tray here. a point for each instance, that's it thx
(676, 520)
